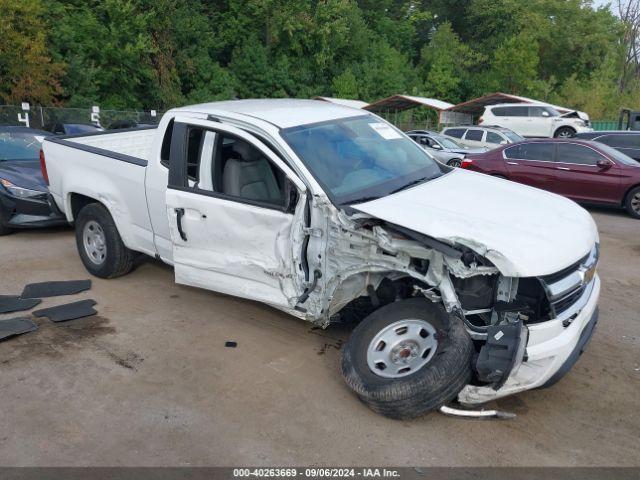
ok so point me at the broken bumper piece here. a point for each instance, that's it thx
(551, 351)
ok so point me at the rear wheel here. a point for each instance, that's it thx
(454, 162)
(565, 132)
(99, 244)
(408, 358)
(632, 203)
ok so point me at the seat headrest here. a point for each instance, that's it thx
(245, 152)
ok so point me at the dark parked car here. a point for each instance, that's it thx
(24, 199)
(585, 171)
(74, 128)
(625, 141)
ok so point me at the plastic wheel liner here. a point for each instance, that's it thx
(69, 311)
(54, 289)
(16, 326)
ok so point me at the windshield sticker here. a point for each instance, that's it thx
(385, 131)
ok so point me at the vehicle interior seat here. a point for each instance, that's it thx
(247, 174)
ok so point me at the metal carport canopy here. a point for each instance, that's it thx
(476, 106)
(405, 102)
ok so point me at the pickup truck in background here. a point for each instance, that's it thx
(463, 285)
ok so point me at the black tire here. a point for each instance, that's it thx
(119, 259)
(454, 162)
(632, 202)
(564, 132)
(431, 386)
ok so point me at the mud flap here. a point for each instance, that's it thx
(504, 349)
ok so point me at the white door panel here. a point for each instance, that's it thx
(226, 243)
(232, 247)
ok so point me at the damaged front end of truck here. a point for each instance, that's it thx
(367, 263)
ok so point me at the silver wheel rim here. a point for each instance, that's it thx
(454, 163)
(564, 134)
(402, 348)
(95, 244)
(635, 203)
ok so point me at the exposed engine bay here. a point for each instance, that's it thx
(371, 263)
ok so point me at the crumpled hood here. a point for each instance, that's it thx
(524, 231)
(23, 173)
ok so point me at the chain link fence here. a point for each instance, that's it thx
(45, 118)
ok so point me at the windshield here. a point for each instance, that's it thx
(360, 158)
(514, 137)
(19, 146)
(447, 142)
(617, 155)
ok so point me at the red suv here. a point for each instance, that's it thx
(585, 171)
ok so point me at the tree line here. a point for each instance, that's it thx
(141, 54)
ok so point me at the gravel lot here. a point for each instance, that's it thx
(149, 381)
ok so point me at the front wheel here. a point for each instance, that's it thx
(101, 249)
(408, 358)
(632, 203)
(454, 162)
(565, 132)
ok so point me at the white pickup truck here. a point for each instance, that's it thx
(464, 286)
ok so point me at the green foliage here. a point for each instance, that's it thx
(163, 53)
(26, 70)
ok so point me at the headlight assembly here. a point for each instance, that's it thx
(19, 192)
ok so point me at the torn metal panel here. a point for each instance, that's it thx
(357, 257)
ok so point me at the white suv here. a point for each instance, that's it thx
(531, 120)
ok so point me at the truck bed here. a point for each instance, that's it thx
(108, 167)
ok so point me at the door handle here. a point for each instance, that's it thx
(563, 168)
(513, 163)
(179, 215)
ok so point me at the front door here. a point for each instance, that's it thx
(234, 210)
(531, 163)
(578, 175)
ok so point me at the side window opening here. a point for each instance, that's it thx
(494, 138)
(475, 135)
(165, 150)
(244, 172)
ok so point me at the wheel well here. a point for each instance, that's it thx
(564, 126)
(78, 202)
(626, 194)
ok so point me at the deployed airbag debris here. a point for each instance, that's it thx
(16, 326)
(10, 303)
(69, 311)
(54, 289)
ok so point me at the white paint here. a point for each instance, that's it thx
(524, 231)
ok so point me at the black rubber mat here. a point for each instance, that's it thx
(16, 326)
(10, 303)
(54, 289)
(69, 311)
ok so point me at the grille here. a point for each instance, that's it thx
(565, 303)
(566, 287)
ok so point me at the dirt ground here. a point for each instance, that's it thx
(148, 381)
